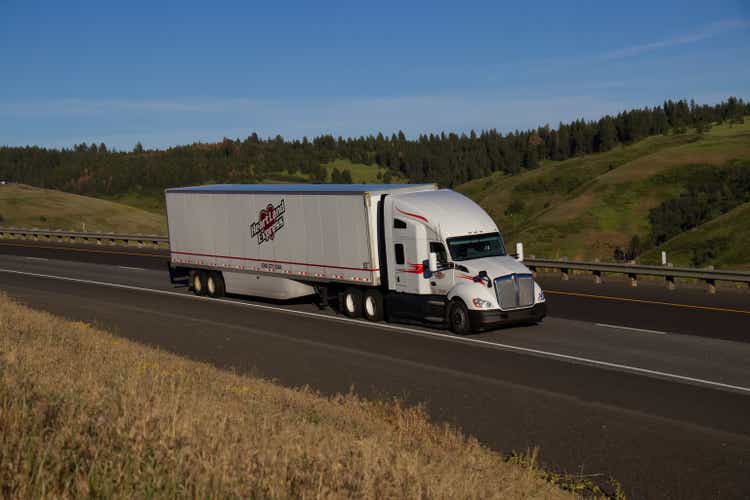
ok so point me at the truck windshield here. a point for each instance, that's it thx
(476, 246)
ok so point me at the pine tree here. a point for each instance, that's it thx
(606, 135)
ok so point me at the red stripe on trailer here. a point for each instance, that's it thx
(276, 261)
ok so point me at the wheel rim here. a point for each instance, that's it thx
(349, 303)
(197, 285)
(458, 317)
(370, 306)
(211, 285)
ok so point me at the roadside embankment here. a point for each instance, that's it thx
(85, 413)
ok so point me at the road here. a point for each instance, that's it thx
(664, 413)
(690, 311)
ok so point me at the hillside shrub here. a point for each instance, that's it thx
(710, 193)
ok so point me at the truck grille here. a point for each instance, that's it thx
(515, 291)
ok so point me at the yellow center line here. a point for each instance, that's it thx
(86, 250)
(644, 301)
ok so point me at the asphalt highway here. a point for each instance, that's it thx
(663, 411)
(650, 306)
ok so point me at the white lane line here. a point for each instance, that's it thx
(630, 329)
(386, 326)
(36, 258)
(133, 268)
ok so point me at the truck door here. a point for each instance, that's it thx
(442, 280)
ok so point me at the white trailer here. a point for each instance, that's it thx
(400, 251)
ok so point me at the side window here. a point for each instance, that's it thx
(439, 249)
(399, 253)
(399, 224)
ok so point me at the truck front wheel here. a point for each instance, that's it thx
(458, 317)
(351, 302)
(373, 305)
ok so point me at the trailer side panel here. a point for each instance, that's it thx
(309, 237)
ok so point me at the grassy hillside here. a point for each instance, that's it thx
(88, 414)
(26, 206)
(361, 174)
(722, 242)
(584, 207)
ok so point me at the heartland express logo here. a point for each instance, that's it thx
(270, 221)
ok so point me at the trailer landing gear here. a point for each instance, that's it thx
(322, 300)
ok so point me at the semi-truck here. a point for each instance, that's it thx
(399, 252)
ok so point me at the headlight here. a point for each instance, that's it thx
(539, 293)
(481, 303)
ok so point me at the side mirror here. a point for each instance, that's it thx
(433, 262)
(484, 278)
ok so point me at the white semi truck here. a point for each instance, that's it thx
(401, 252)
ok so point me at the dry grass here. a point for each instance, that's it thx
(85, 413)
(26, 206)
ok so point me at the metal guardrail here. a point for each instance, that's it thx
(140, 240)
(709, 276)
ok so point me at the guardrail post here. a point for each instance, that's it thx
(598, 277)
(711, 286)
(564, 274)
(670, 282)
(633, 279)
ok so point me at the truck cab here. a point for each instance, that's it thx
(446, 260)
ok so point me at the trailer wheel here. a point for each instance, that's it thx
(198, 282)
(351, 302)
(458, 317)
(372, 307)
(215, 286)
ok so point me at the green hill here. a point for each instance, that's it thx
(585, 207)
(722, 242)
(26, 206)
(153, 201)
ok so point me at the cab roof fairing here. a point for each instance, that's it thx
(445, 211)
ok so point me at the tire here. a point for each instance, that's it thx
(198, 282)
(351, 302)
(372, 305)
(215, 286)
(458, 318)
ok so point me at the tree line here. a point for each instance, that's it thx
(448, 159)
(709, 193)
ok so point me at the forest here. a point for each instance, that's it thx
(448, 159)
(710, 193)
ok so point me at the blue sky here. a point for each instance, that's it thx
(180, 72)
